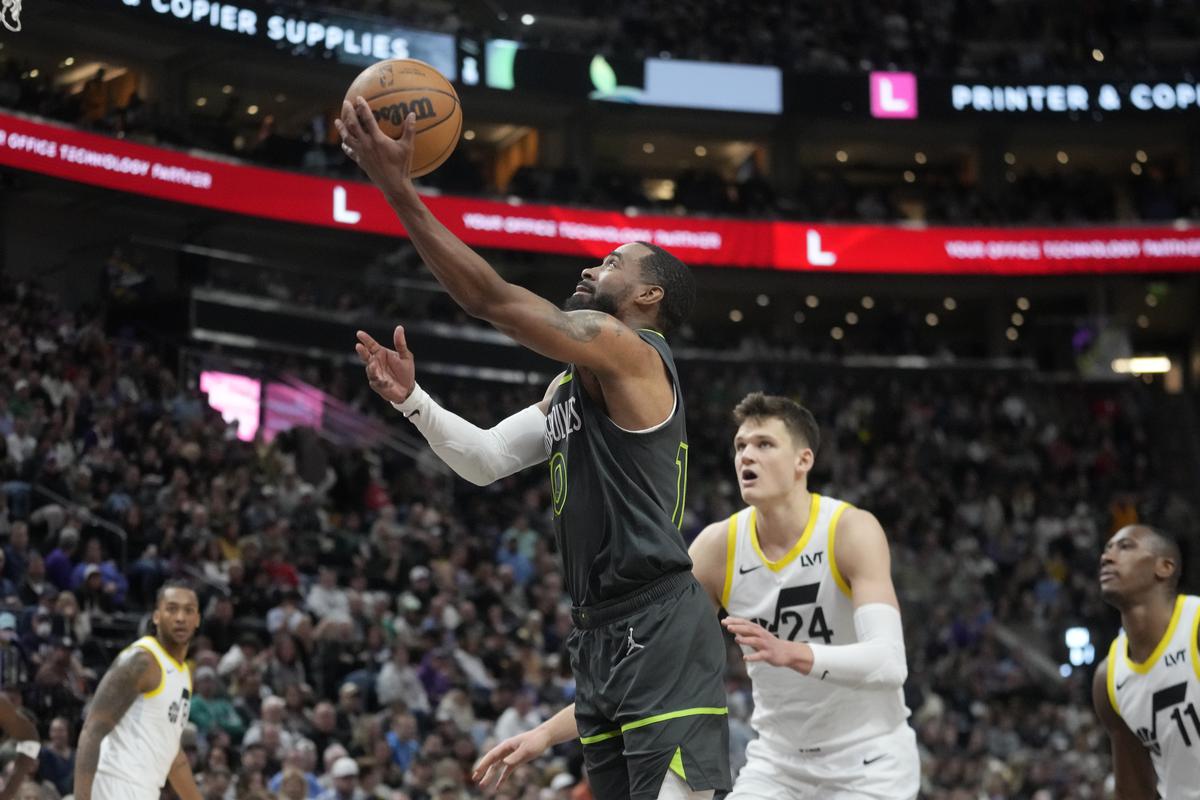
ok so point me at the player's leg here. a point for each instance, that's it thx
(670, 677)
(676, 788)
(884, 768)
(771, 775)
(603, 745)
(607, 772)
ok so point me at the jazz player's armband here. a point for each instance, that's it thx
(875, 661)
(480, 456)
(29, 747)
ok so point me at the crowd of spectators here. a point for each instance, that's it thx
(370, 627)
(965, 37)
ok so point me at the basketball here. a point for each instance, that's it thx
(400, 86)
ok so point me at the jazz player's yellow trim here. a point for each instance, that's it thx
(800, 544)
(656, 333)
(833, 567)
(1145, 666)
(1112, 675)
(730, 557)
(565, 379)
(1195, 647)
(162, 667)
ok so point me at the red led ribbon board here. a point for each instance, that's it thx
(123, 166)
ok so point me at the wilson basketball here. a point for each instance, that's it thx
(400, 86)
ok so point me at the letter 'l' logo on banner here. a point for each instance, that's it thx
(893, 95)
(816, 256)
(340, 212)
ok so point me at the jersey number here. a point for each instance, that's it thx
(558, 482)
(789, 623)
(681, 458)
(1170, 697)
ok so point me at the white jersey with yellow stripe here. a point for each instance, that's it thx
(802, 597)
(1159, 700)
(141, 748)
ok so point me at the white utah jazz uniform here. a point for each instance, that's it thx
(815, 740)
(137, 754)
(1159, 700)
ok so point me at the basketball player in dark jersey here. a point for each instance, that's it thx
(647, 651)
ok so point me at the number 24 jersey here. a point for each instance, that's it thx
(1159, 699)
(802, 597)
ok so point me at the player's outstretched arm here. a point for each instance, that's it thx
(134, 672)
(477, 455)
(499, 762)
(19, 728)
(877, 660)
(588, 338)
(1132, 768)
(182, 780)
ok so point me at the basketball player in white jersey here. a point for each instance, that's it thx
(1147, 691)
(129, 746)
(826, 660)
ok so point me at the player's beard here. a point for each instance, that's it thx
(593, 301)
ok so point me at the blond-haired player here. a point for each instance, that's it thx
(807, 583)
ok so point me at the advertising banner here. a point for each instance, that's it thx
(66, 153)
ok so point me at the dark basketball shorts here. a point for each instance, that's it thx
(650, 696)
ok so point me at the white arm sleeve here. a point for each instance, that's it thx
(875, 661)
(475, 454)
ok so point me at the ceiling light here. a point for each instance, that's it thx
(1018, 318)
(468, 134)
(1010, 159)
(1142, 365)
(701, 151)
(1062, 157)
(851, 318)
(735, 315)
(1097, 54)
(919, 157)
(1023, 303)
(528, 19)
(648, 148)
(910, 176)
(931, 319)
(868, 302)
(842, 156)
(798, 318)
(949, 304)
(1141, 156)
(1012, 334)
(812, 301)
(837, 333)
(763, 300)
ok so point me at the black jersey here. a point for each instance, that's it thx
(618, 495)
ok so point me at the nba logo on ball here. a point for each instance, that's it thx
(893, 95)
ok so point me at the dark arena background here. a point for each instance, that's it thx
(963, 233)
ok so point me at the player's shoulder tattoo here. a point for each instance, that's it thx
(582, 326)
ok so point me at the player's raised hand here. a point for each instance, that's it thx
(386, 161)
(765, 646)
(391, 373)
(499, 762)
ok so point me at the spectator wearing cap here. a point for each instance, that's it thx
(210, 710)
(113, 581)
(93, 597)
(14, 666)
(345, 781)
(420, 585)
